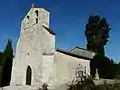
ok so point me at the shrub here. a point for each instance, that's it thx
(88, 84)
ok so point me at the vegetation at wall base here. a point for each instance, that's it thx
(97, 34)
(107, 67)
(88, 84)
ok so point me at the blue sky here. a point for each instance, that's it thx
(68, 19)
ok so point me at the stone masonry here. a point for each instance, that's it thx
(37, 61)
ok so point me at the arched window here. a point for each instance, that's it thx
(36, 13)
(28, 75)
(36, 20)
(28, 17)
(27, 20)
(37, 16)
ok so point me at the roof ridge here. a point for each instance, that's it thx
(81, 48)
(50, 31)
(35, 6)
(78, 48)
(72, 54)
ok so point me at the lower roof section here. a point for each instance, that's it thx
(74, 54)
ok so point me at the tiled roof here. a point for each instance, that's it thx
(81, 49)
(73, 54)
(83, 52)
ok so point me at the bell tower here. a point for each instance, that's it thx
(33, 63)
(36, 16)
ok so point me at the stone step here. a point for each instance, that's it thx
(26, 87)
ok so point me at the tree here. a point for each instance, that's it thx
(107, 67)
(97, 34)
(1, 67)
(7, 64)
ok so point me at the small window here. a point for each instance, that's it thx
(27, 21)
(36, 20)
(28, 17)
(28, 75)
(36, 13)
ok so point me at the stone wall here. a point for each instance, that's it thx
(36, 49)
(66, 66)
(20, 88)
(33, 44)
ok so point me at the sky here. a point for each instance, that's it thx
(67, 20)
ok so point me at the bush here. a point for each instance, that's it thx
(88, 84)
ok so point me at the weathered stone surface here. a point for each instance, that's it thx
(66, 67)
(25, 87)
(36, 49)
(83, 52)
(34, 41)
(108, 81)
(96, 75)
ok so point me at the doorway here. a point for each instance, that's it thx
(28, 75)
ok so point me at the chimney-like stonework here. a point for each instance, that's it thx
(33, 5)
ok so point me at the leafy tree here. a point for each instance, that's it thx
(97, 34)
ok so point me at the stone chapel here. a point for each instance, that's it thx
(37, 61)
